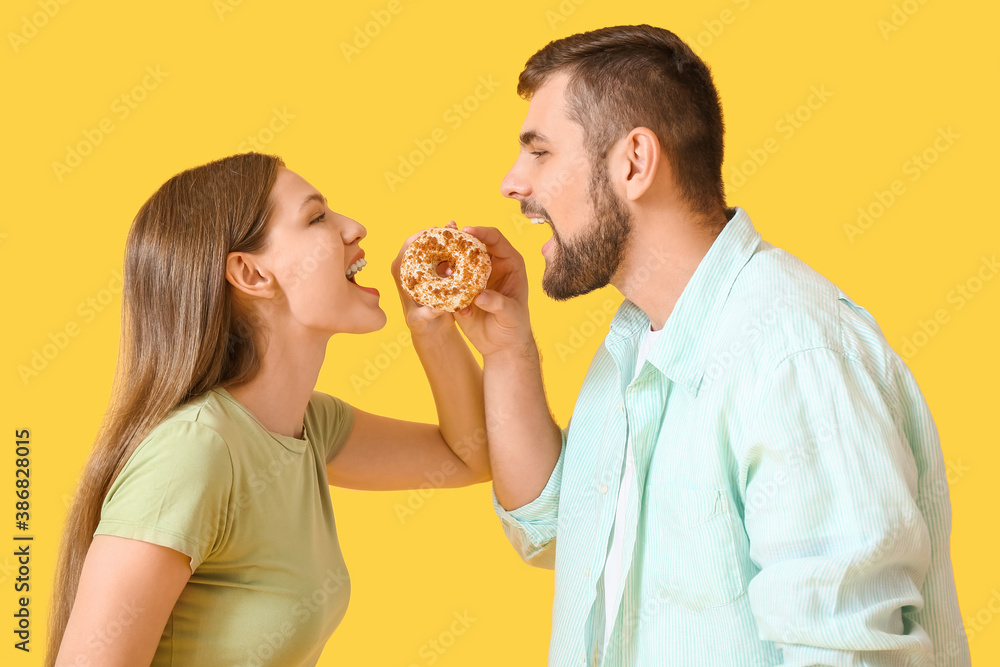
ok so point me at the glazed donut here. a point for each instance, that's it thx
(470, 266)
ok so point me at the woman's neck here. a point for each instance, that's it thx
(279, 393)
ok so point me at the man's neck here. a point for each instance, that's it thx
(664, 253)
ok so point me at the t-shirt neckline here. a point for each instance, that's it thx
(297, 445)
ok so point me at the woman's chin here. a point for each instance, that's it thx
(382, 320)
(376, 322)
(371, 322)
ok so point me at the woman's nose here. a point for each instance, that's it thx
(353, 232)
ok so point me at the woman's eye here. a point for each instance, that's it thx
(318, 218)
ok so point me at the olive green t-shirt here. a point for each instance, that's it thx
(252, 510)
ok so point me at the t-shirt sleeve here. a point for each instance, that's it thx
(175, 491)
(334, 420)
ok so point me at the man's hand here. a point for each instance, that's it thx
(498, 319)
(524, 450)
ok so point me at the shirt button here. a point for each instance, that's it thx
(603, 488)
(621, 407)
(586, 574)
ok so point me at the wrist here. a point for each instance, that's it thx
(519, 352)
(433, 334)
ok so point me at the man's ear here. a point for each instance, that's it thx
(641, 160)
(245, 273)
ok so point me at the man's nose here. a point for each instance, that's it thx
(514, 185)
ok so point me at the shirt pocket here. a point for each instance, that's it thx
(691, 552)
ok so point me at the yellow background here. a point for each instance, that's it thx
(227, 66)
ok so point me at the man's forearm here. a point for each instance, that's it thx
(524, 439)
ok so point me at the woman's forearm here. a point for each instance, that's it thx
(456, 381)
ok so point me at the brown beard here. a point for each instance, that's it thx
(589, 262)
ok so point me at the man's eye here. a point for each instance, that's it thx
(539, 153)
(318, 218)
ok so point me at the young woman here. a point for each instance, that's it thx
(202, 532)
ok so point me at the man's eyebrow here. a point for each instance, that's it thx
(530, 136)
(313, 197)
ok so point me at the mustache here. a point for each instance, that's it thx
(533, 210)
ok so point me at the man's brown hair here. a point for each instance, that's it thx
(641, 76)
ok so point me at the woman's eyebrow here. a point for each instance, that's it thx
(313, 197)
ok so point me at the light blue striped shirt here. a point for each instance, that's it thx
(792, 501)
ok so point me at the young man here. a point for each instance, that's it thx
(750, 475)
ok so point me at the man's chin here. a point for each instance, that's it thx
(552, 287)
(560, 289)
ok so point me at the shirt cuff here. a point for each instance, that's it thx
(153, 535)
(539, 517)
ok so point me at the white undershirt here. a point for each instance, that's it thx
(613, 565)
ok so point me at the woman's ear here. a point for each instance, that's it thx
(640, 161)
(245, 273)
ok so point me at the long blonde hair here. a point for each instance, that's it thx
(182, 330)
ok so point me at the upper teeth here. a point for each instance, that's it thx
(357, 266)
(538, 221)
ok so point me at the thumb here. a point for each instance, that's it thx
(490, 301)
(423, 314)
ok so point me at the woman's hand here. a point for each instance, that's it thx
(383, 453)
(422, 321)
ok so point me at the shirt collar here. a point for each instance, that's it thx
(680, 351)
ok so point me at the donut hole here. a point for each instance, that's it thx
(444, 269)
